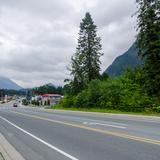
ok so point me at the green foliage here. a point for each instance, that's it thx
(67, 101)
(136, 75)
(81, 100)
(85, 63)
(25, 102)
(149, 43)
(89, 48)
(134, 99)
(73, 87)
(124, 93)
(136, 90)
(111, 91)
(35, 102)
(50, 89)
(156, 109)
(104, 76)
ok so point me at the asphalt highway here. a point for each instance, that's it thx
(39, 134)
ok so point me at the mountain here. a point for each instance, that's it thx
(6, 83)
(50, 85)
(127, 60)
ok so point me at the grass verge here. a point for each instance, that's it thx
(99, 110)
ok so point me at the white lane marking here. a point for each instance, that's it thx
(108, 122)
(85, 119)
(104, 124)
(81, 119)
(40, 140)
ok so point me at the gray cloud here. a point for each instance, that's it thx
(38, 38)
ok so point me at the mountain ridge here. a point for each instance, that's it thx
(6, 83)
(129, 59)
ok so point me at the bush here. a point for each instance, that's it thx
(35, 102)
(124, 93)
(133, 97)
(111, 92)
(25, 102)
(94, 93)
(67, 101)
(114, 93)
(156, 109)
(82, 99)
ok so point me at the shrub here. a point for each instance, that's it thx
(94, 93)
(125, 93)
(156, 109)
(110, 94)
(134, 98)
(35, 102)
(67, 101)
(25, 102)
(82, 99)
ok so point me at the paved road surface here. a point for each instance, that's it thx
(40, 134)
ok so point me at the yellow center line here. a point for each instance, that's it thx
(122, 135)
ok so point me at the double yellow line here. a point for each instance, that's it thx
(122, 135)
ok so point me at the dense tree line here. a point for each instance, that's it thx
(48, 89)
(123, 93)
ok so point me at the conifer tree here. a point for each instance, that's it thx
(149, 43)
(85, 63)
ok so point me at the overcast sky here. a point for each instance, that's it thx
(38, 37)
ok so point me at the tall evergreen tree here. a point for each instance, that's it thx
(85, 64)
(149, 43)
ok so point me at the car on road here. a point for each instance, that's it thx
(15, 105)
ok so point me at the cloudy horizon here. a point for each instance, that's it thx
(38, 38)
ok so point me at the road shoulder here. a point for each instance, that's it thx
(105, 113)
(8, 151)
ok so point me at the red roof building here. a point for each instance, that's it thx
(51, 99)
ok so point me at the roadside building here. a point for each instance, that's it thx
(50, 99)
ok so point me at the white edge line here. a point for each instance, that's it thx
(40, 140)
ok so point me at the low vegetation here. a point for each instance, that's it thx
(48, 89)
(125, 93)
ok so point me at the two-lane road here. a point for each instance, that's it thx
(39, 134)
